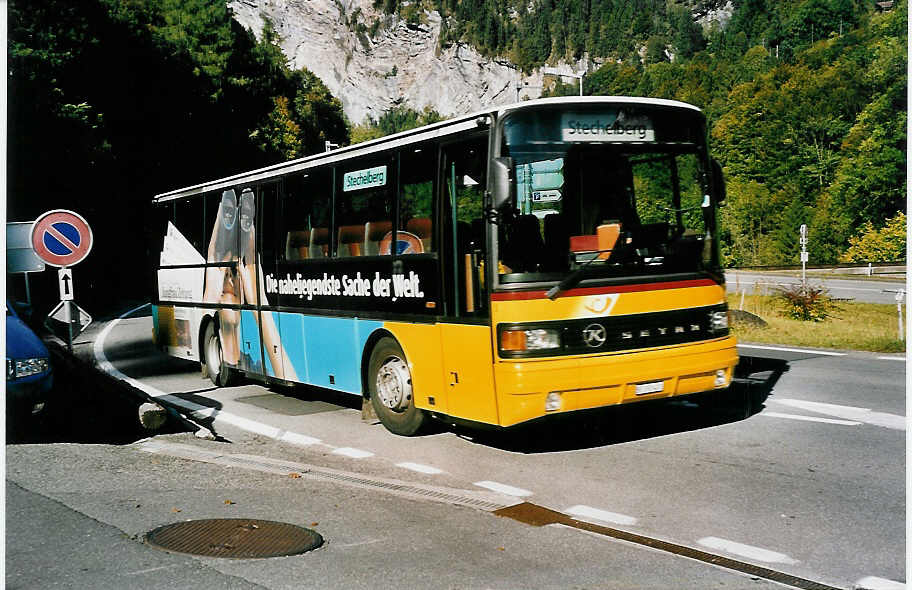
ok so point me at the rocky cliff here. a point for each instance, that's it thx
(373, 61)
(399, 64)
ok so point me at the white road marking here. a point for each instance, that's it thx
(152, 569)
(196, 410)
(785, 349)
(503, 488)
(865, 415)
(810, 418)
(353, 453)
(892, 358)
(420, 468)
(875, 583)
(746, 551)
(584, 512)
(298, 439)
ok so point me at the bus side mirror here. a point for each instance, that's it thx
(501, 182)
(718, 182)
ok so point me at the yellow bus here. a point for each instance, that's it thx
(533, 259)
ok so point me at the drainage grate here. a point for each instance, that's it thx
(239, 538)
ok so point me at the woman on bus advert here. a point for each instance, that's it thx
(221, 281)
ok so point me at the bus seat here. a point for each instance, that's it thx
(297, 245)
(607, 236)
(373, 233)
(319, 242)
(586, 243)
(351, 237)
(421, 227)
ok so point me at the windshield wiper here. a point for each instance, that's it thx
(575, 277)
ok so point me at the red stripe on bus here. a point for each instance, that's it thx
(527, 295)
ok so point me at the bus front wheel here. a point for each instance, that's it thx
(215, 364)
(390, 387)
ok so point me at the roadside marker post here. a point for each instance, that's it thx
(900, 298)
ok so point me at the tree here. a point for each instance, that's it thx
(886, 244)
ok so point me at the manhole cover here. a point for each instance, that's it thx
(241, 538)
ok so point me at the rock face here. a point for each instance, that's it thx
(400, 64)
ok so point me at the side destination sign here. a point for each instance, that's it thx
(367, 178)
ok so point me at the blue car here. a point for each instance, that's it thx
(29, 376)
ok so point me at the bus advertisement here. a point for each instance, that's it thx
(532, 259)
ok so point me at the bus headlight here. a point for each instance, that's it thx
(519, 340)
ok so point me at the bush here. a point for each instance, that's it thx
(809, 304)
(887, 244)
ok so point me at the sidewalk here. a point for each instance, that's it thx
(105, 500)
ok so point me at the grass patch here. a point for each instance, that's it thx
(851, 326)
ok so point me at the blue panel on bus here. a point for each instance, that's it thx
(251, 355)
(270, 370)
(319, 348)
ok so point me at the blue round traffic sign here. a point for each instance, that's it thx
(61, 237)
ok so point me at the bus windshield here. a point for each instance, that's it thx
(610, 192)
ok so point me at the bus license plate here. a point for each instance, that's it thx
(651, 387)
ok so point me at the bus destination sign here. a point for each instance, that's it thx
(578, 127)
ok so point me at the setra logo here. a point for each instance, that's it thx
(594, 335)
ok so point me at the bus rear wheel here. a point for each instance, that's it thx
(390, 387)
(219, 373)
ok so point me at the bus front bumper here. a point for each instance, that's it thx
(532, 388)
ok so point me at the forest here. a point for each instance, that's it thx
(806, 101)
(113, 101)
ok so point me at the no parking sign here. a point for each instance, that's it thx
(61, 237)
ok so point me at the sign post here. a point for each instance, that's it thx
(63, 238)
(803, 240)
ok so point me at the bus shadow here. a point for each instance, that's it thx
(139, 358)
(755, 379)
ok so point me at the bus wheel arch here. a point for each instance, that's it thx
(388, 384)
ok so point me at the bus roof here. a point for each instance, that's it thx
(434, 130)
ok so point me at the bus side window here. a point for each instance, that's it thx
(417, 166)
(306, 215)
(364, 207)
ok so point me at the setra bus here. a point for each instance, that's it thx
(532, 259)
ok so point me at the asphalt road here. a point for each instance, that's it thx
(863, 290)
(810, 484)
